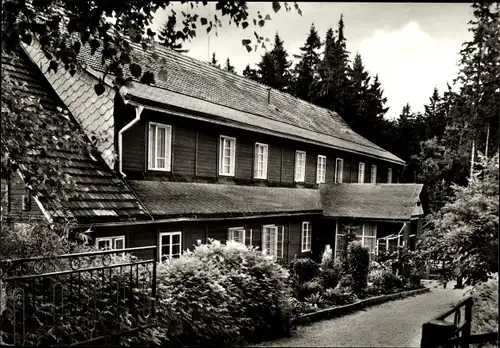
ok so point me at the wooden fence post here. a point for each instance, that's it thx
(468, 319)
(436, 332)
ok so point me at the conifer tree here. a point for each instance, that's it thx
(229, 67)
(335, 91)
(214, 61)
(306, 70)
(274, 67)
(250, 73)
(169, 38)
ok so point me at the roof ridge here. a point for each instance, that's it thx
(250, 81)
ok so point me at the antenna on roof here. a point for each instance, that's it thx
(269, 95)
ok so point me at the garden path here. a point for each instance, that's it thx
(392, 324)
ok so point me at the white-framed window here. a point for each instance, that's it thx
(321, 170)
(339, 170)
(170, 245)
(240, 235)
(373, 178)
(367, 234)
(160, 147)
(227, 155)
(389, 176)
(273, 240)
(361, 173)
(110, 243)
(369, 237)
(300, 166)
(261, 154)
(306, 236)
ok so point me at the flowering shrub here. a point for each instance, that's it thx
(222, 294)
(327, 260)
(384, 282)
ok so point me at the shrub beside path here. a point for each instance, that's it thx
(392, 324)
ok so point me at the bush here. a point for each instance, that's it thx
(358, 261)
(309, 288)
(384, 282)
(222, 294)
(304, 269)
(330, 276)
(485, 308)
(337, 297)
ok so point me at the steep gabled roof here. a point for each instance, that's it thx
(102, 196)
(368, 201)
(197, 86)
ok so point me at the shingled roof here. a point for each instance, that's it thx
(367, 201)
(102, 196)
(364, 201)
(168, 199)
(197, 86)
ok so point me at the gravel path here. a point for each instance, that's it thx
(392, 324)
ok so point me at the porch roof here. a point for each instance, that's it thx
(166, 199)
(368, 201)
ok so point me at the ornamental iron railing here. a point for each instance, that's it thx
(75, 299)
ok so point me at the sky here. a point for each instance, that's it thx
(413, 47)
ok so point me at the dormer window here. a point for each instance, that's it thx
(160, 147)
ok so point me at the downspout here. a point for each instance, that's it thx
(138, 111)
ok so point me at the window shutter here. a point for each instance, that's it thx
(318, 165)
(280, 240)
(265, 237)
(256, 161)
(265, 161)
(248, 237)
(168, 150)
(297, 175)
(233, 156)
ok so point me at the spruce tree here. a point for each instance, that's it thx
(274, 67)
(359, 117)
(169, 38)
(334, 87)
(214, 61)
(250, 73)
(229, 67)
(306, 70)
(266, 69)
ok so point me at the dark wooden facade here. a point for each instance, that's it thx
(18, 205)
(148, 234)
(195, 151)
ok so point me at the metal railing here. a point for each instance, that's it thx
(77, 298)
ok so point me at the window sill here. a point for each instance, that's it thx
(159, 170)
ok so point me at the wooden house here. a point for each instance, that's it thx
(203, 153)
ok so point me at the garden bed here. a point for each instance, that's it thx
(332, 312)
